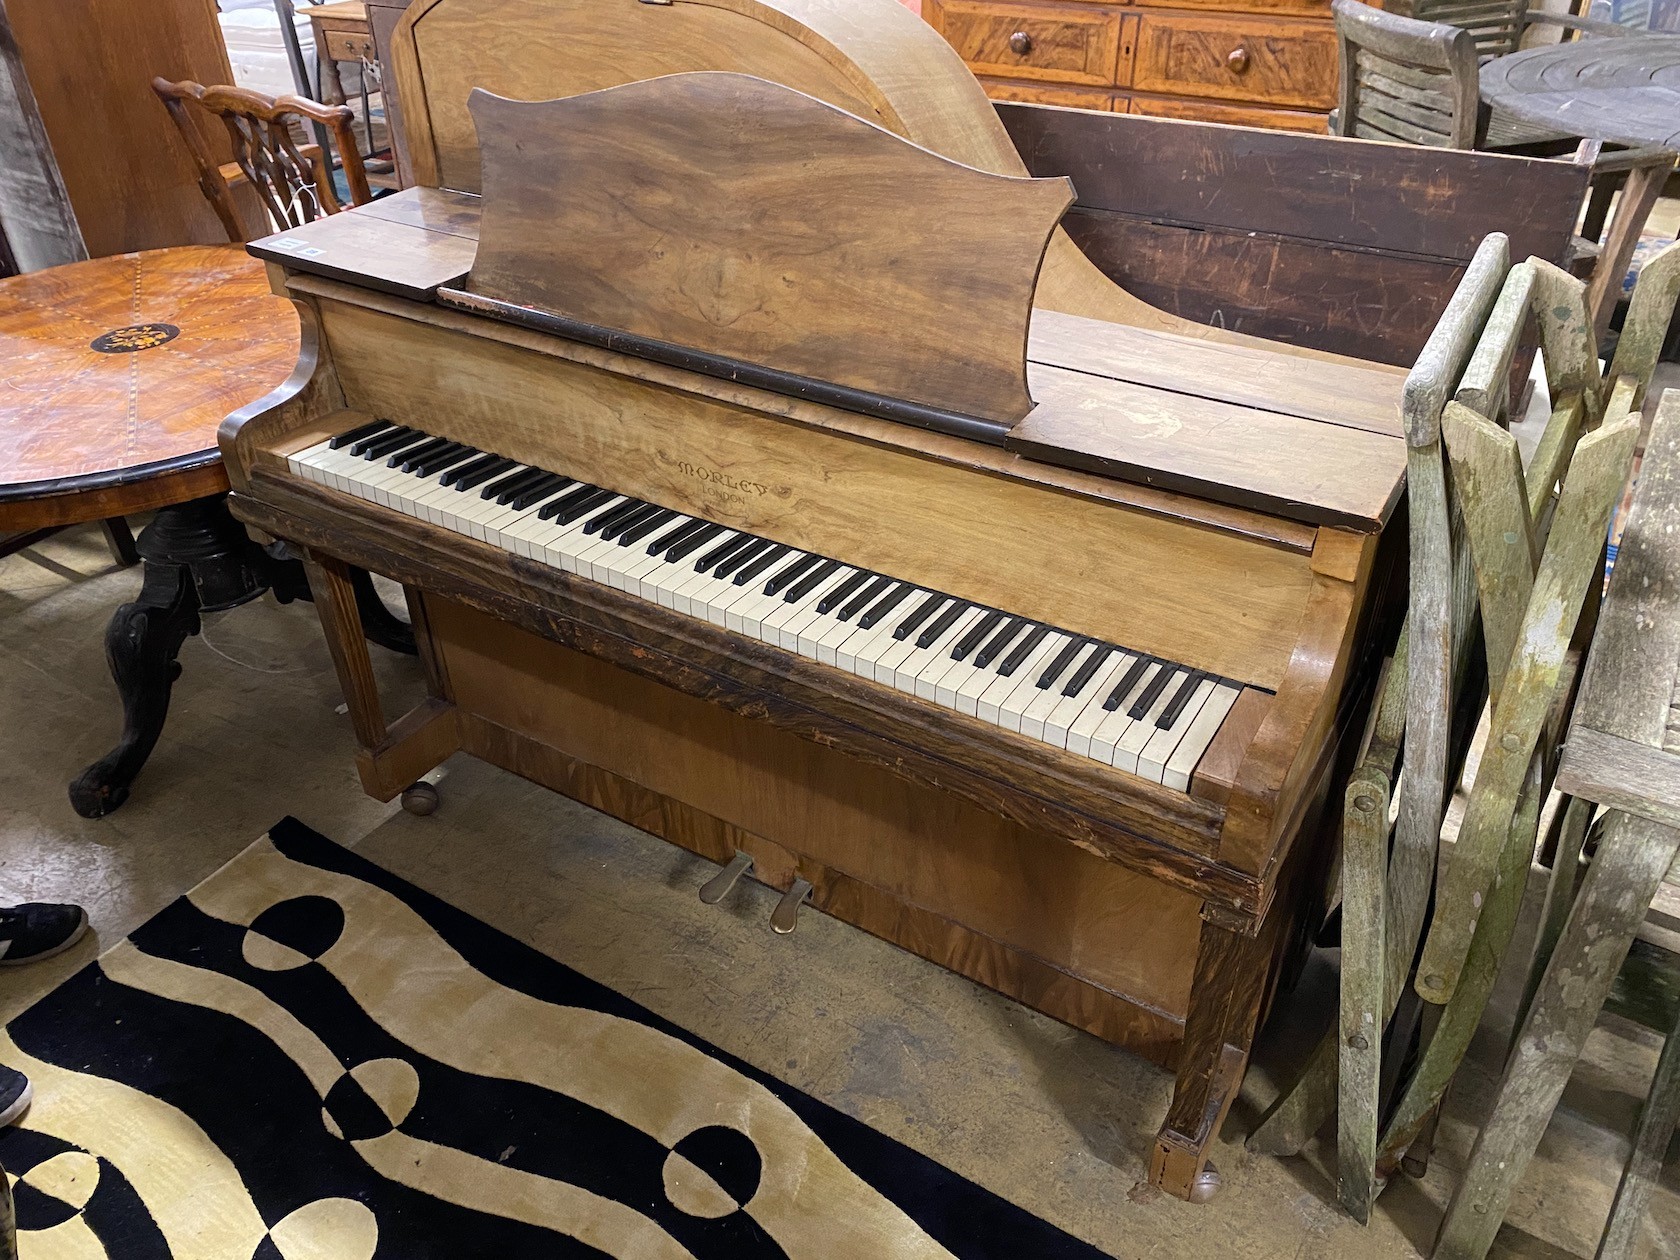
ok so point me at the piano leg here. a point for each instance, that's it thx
(1231, 974)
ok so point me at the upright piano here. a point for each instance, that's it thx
(765, 468)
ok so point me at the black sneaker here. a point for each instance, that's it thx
(37, 930)
(15, 1094)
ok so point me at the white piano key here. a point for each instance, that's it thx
(936, 654)
(988, 706)
(1117, 721)
(1152, 761)
(1045, 703)
(1130, 746)
(1182, 764)
(1058, 723)
(1014, 706)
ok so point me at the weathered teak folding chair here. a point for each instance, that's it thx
(1627, 730)
(1381, 921)
(1474, 563)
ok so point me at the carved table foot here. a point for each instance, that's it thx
(196, 557)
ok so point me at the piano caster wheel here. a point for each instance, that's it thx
(785, 917)
(420, 799)
(1206, 1185)
(717, 887)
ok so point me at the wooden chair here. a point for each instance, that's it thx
(293, 181)
(1412, 81)
(1505, 559)
(1498, 26)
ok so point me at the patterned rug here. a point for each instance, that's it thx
(306, 1057)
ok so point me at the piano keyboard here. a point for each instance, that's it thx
(1125, 708)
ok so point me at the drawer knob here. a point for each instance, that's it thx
(1020, 43)
(1238, 60)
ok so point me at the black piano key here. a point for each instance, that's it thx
(943, 622)
(1175, 706)
(389, 434)
(644, 526)
(868, 595)
(357, 434)
(475, 479)
(999, 641)
(454, 475)
(450, 455)
(606, 522)
(1083, 675)
(891, 600)
(693, 543)
(976, 635)
(635, 519)
(1023, 649)
(623, 520)
(550, 485)
(842, 592)
(752, 572)
(676, 535)
(791, 573)
(815, 578)
(505, 489)
(1072, 648)
(381, 446)
(408, 457)
(577, 494)
(921, 613)
(724, 549)
(597, 498)
(1128, 680)
(746, 555)
(1152, 692)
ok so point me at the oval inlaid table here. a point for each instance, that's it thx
(114, 376)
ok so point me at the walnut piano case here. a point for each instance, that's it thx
(645, 326)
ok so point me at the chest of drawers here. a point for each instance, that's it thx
(1268, 63)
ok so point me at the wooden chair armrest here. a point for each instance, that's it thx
(1585, 26)
(1615, 161)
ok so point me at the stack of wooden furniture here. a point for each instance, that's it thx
(1504, 589)
(1261, 63)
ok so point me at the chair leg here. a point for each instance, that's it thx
(1644, 1166)
(1625, 875)
(1644, 185)
(120, 539)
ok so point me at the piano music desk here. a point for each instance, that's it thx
(1254, 546)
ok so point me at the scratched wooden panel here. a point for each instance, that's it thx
(1341, 245)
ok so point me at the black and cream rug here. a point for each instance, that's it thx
(306, 1058)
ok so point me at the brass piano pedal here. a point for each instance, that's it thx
(785, 917)
(717, 887)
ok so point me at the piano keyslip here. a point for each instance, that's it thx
(1099, 700)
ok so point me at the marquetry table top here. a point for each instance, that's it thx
(1625, 89)
(115, 373)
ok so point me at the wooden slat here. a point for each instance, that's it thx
(1629, 685)
(1304, 470)
(1571, 558)
(1337, 393)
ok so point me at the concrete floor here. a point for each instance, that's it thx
(1048, 1117)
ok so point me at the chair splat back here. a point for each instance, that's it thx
(1405, 80)
(292, 180)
